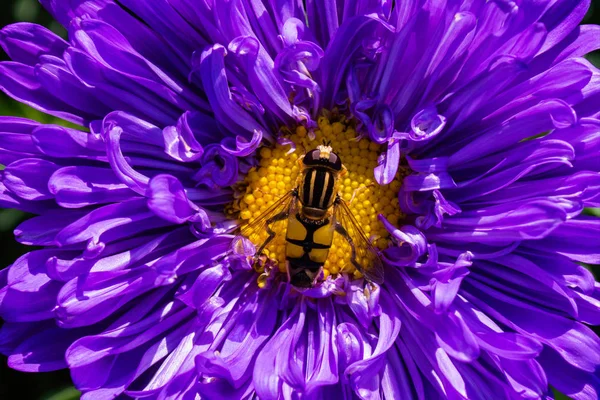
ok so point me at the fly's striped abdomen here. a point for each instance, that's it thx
(307, 248)
(317, 188)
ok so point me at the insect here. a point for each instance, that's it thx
(315, 211)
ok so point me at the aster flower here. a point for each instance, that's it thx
(471, 134)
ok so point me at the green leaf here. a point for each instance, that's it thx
(26, 10)
(592, 211)
(10, 218)
(69, 393)
(559, 396)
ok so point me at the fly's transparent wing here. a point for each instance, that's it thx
(364, 256)
(272, 220)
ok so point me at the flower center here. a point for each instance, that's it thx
(277, 175)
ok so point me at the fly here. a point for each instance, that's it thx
(315, 211)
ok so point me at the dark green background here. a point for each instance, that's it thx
(56, 385)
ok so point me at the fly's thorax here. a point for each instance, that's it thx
(317, 190)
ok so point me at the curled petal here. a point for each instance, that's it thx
(265, 84)
(447, 282)
(243, 148)
(180, 142)
(364, 302)
(219, 167)
(385, 172)
(168, 200)
(362, 372)
(134, 180)
(254, 325)
(425, 125)
(411, 244)
(234, 118)
(349, 343)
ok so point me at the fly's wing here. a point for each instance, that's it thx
(365, 256)
(259, 230)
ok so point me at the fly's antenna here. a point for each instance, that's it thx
(324, 150)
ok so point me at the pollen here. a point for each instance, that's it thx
(278, 173)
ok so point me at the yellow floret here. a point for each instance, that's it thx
(245, 214)
(277, 175)
(249, 199)
(301, 131)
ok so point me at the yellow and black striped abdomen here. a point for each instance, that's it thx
(317, 189)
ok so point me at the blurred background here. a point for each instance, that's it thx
(57, 385)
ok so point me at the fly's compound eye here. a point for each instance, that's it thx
(320, 158)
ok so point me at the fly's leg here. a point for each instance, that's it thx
(279, 217)
(287, 270)
(358, 190)
(259, 259)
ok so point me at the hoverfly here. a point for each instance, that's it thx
(314, 211)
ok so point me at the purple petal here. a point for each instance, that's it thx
(43, 351)
(219, 168)
(546, 115)
(180, 140)
(25, 42)
(167, 199)
(576, 343)
(385, 172)
(426, 124)
(575, 383)
(103, 219)
(64, 12)
(447, 282)
(576, 239)
(255, 322)
(363, 371)
(455, 336)
(42, 230)
(214, 77)
(89, 349)
(28, 178)
(61, 142)
(204, 286)
(260, 70)
(19, 82)
(81, 186)
(411, 244)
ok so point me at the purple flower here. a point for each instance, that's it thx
(470, 129)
